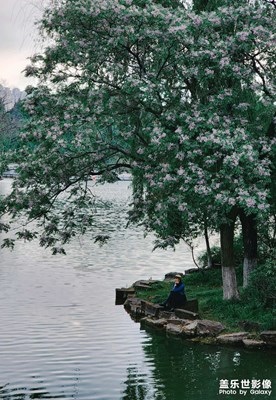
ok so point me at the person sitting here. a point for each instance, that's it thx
(177, 297)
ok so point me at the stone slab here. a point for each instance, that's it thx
(253, 344)
(175, 330)
(150, 309)
(122, 294)
(206, 327)
(191, 305)
(269, 337)
(155, 323)
(185, 314)
(232, 338)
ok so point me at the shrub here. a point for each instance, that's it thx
(262, 284)
(216, 253)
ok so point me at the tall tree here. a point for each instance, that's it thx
(163, 89)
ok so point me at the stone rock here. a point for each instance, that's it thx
(141, 286)
(170, 275)
(190, 305)
(249, 325)
(204, 339)
(156, 323)
(251, 344)
(150, 309)
(206, 327)
(165, 314)
(133, 306)
(232, 338)
(185, 314)
(269, 337)
(177, 321)
(122, 294)
(144, 284)
(202, 328)
(132, 301)
(189, 330)
(174, 329)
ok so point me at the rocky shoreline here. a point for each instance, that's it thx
(186, 323)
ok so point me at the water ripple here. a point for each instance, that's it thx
(61, 336)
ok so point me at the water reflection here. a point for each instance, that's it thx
(237, 358)
(214, 360)
(137, 386)
(182, 369)
(23, 393)
(61, 336)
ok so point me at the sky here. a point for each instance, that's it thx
(18, 39)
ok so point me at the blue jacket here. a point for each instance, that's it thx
(179, 289)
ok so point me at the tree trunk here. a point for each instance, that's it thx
(249, 233)
(230, 287)
(208, 249)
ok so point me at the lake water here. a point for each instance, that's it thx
(61, 336)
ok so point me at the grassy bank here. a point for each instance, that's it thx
(206, 286)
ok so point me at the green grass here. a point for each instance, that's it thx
(206, 286)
